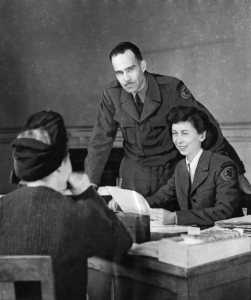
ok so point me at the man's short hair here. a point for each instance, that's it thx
(122, 47)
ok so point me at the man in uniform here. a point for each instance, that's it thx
(137, 103)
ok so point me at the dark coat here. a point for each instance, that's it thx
(147, 139)
(41, 221)
(213, 196)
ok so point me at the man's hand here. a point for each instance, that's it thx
(163, 216)
(78, 182)
(245, 186)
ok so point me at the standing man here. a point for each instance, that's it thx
(137, 103)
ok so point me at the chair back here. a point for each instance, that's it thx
(26, 268)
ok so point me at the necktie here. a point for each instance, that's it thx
(139, 104)
(189, 187)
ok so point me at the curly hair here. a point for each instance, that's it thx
(198, 119)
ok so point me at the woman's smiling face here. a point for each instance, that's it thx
(186, 139)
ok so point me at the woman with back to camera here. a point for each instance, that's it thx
(38, 218)
(204, 187)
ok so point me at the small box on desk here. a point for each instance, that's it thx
(137, 225)
(173, 252)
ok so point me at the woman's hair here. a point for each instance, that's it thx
(198, 119)
(40, 148)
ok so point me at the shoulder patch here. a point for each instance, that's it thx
(229, 172)
(184, 91)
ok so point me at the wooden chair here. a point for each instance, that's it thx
(26, 268)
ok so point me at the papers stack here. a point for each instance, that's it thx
(240, 223)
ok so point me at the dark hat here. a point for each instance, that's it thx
(33, 159)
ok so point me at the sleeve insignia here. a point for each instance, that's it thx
(229, 173)
(184, 92)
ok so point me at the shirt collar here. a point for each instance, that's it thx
(194, 163)
(142, 93)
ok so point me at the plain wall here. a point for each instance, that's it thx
(54, 54)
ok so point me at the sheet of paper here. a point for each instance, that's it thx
(155, 226)
(239, 220)
(103, 191)
(145, 249)
(129, 201)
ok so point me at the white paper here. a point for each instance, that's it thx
(129, 201)
(156, 226)
(244, 219)
(145, 249)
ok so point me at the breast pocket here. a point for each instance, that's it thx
(158, 121)
(128, 128)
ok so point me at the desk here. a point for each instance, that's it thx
(145, 278)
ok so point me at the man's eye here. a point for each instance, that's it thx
(118, 73)
(130, 69)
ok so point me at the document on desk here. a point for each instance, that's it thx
(240, 222)
(133, 202)
(129, 201)
(156, 226)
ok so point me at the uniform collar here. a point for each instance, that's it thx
(142, 93)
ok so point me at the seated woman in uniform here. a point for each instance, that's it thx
(204, 187)
(39, 219)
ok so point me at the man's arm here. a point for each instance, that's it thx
(184, 97)
(101, 141)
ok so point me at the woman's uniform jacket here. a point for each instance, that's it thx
(213, 196)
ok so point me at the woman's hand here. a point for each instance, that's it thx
(78, 183)
(113, 205)
(163, 216)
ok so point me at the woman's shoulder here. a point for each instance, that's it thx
(220, 157)
(224, 165)
(38, 192)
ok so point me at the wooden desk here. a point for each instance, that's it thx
(144, 278)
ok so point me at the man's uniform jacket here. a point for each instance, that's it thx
(214, 194)
(147, 139)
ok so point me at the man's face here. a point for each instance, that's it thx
(129, 71)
